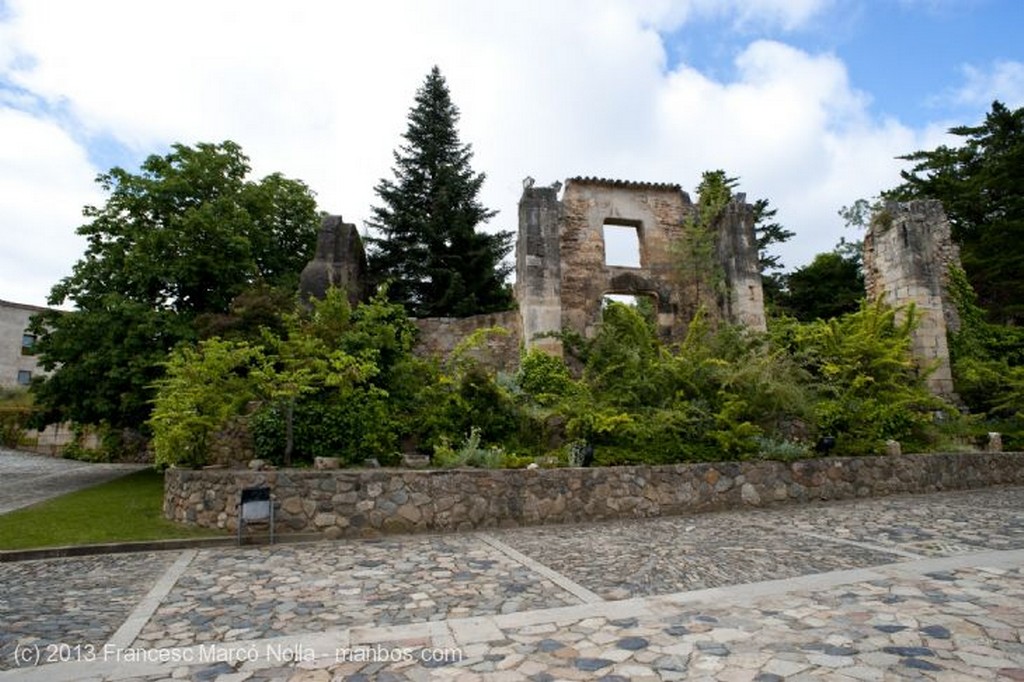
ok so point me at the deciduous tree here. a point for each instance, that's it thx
(180, 238)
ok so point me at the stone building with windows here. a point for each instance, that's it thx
(18, 366)
(17, 361)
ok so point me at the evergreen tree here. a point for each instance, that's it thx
(830, 286)
(769, 233)
(979, 183)
(429, 251)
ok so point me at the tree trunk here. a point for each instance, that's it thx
(289, 438)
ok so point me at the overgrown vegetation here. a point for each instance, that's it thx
(979, 184)
(184, 344)
(349, 385)
(988, 367)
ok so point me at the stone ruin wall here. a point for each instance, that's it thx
(339, 261)
(562, 275)
(561, 271)
(908, 253)
(438, 337)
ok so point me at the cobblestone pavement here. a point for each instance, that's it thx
(27, 478)
(920, 587)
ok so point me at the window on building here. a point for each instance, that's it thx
(28, 343)
(24, 377)
(621, 245)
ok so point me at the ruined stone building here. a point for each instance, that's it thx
(564, 269)
(908, 253)
(339, 261)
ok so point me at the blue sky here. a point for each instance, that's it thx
(807, 101)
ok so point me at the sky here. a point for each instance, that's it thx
(807, 102)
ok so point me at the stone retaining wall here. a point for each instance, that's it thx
(367, 502)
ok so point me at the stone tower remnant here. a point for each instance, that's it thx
(340, 261)
(563, 275)
(908, 253)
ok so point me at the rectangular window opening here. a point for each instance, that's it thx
(28, 343)
(24, 377)
(621, 245)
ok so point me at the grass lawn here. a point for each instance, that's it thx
(123, 510)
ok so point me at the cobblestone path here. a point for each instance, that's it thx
(26, 478)
(926, 587)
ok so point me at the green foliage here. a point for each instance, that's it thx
(429, 249)
(544, 378)
(987, 361)
(16, 413)
(337, 382)
(252, 311)
(869, 387)
(469, 454)
(624, 359)
(979, 184)
(181, 238)
(728, 392)
(696, 264)
(353, 425)
(202, 388)
(708, 398)
(831, 285)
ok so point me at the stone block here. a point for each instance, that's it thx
(324, 519)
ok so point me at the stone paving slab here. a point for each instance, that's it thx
(925, 620)
(683, 553)
(924, 587)
(27, 478)
(83, 600)
(285, 590)
(930, 525)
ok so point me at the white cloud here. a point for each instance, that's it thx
(45, 180)
(1002, 80)
(795, 131)
(320, 91)
(785, 14)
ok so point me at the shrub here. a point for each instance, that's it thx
(470, 453)
(203, 387)
(544, 378)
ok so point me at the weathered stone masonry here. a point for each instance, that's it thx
(361, 503)
(561, 271)
(908, 253)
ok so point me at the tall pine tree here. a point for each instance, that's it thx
(428, 247)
